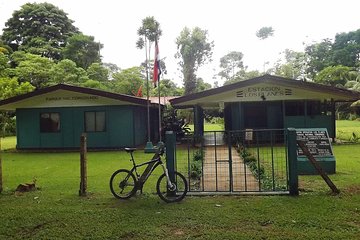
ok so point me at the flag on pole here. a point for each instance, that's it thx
(139, 92)
(157, 69)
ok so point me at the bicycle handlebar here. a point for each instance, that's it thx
(160, 149)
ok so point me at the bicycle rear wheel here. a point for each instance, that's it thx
(174, 193)
(123, 184)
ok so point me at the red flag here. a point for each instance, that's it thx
(157, 69)
(139, 92)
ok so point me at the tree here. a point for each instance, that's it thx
(128, 81)
(148, 33)
(112, 68)
(193, 50)
(5, 49)
(3, 64)
(98, 72)
(346, 49)
(10, 87)
(151, 66)
(95, 84)
(319, 56)
(66, 71)
(167, 88)
(38, 25)
(83, 50)
(201, 85)
(265, 32)
(35, 70)
(336, 75)
(293, 67)
(231, 63)
(243, 75)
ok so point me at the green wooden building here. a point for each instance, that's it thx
(55, 117)
(269, 102)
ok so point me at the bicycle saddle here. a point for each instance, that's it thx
(130, 149)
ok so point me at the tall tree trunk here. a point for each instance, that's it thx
(189, 80)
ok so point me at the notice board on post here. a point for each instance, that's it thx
(318, 142)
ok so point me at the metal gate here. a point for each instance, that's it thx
(253, 161)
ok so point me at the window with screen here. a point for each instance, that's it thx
(50, 122)
(95, 122)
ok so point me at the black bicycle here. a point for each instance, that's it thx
(170, 187)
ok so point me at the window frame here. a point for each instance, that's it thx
(95, 122)
(49, 129)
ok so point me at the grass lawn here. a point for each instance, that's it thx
(55, 211)
(210, 127)
(8, 143)
(346, 128)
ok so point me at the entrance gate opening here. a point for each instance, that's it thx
(247, 161)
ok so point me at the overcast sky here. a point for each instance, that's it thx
(231, 24)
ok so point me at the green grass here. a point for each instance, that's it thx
(55, 211)
(210, 127)
(346, 128)
(8, 143)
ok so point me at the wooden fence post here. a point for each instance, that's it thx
(1, 175)
(318, 167)
(83, 165)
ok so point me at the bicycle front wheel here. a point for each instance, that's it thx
(173, 192)
(123, 184)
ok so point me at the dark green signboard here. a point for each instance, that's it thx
(317, 140)
(319, 145)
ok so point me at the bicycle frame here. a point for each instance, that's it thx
(152, 165)
(125, 183)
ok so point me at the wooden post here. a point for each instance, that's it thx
(1, 175)
(318, 167)
(83, 165)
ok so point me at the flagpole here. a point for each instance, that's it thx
(149, 148)
(160, 120)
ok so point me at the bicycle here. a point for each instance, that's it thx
(124, 183)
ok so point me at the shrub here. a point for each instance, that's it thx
(258, 171)
(196, 165)
(352, 117)
(354, 138)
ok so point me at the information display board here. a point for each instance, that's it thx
(319, 145)
(316, 139)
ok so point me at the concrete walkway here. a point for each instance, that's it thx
(216, 172)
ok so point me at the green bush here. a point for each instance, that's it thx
(196, 165)
(258, 171)
(249, 159)
(352, 116)
(354, 138)
(7, 124)
(217, 120)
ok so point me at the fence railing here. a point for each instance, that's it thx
(235, 161)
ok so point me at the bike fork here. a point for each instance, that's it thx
(169, 183)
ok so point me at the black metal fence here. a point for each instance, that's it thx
(235, 161)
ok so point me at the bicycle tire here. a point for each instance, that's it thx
(172, 195)
(125, 181)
